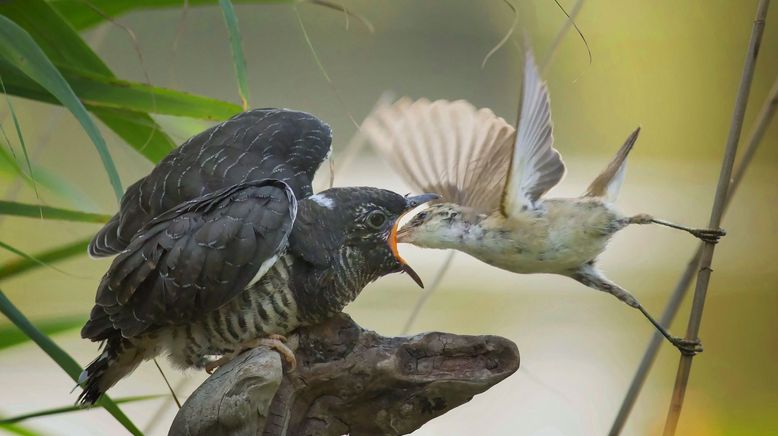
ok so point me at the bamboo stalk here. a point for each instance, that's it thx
(719, 201)
(763, 120)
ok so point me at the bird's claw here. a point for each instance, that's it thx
(710, 236)
(276, 342)
(687, 347)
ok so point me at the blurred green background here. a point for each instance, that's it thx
(670, 67)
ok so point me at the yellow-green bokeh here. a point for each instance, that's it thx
(671, 67)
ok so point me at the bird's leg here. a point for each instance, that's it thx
(276, 342)
(591, 277)
(711, 236)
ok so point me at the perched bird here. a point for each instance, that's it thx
(492, 179)
(223, 247)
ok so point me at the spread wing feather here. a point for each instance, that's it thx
(447, 147)
(255, 145)
(536, 166)
(194, 258)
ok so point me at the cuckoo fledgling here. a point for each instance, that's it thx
(492, 179)
(222, 247)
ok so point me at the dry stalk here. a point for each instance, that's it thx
(719, 202)
(763, 121)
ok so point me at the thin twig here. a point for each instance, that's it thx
(563, 31)
(719, 201)
(163, 408)
(763, 120)
(427, 294)
(507, 35)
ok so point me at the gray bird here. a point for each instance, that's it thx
(492, 179)
(222, 248)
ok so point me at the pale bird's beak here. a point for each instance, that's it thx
(410, 204)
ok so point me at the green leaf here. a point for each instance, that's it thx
(29, 257)
(238, 60)
(65, 47)
(82, 15)
(138, 130)
(50, 213)
(45, 178)
(63, 359)
(96, 91)
(68, 409)
(11, 335)
(61, 43)
(18, 266)
(17, 430)
(20, 49)
(21, 140)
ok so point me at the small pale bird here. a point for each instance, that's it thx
(492, 179)
(223, 247)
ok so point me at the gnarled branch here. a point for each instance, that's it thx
(348, 380)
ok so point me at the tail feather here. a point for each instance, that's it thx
(106, 242)
(608, 183)
(118, 359)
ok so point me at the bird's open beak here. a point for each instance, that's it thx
(410, 204)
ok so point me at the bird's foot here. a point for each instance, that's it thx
(710, 236)
(276, 342)
(687, 347)
(213, 365)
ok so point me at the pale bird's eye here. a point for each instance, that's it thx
(376, 219)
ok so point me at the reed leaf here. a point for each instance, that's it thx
(63, 359)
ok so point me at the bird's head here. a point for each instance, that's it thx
(360, 225)
(435, 227)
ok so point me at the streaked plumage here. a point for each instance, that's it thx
(244, 252)
(493, 177)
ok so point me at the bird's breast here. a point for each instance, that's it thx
(558, 237)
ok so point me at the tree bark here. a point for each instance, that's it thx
(348, 381)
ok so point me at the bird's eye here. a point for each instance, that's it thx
(376, 219)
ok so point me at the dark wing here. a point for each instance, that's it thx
(259, 144)
(194, 258)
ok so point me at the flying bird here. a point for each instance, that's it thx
(224, 247)
(492, 178)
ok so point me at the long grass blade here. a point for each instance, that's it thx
(10, 335)
(29, 257)
(236, 47)
(18, 430)
(507, 35)
(99, 91)
(21, 140)
(69, 409)
(50, 213)
(63, 359)
(44, 258)
(17, 46)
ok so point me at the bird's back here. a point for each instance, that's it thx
(259, 144)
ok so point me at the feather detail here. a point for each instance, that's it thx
(536, 166)
(608, 183)
(447, 147)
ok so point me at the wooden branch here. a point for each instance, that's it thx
(348, 381)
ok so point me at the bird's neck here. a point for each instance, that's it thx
(460, 231)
